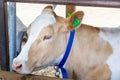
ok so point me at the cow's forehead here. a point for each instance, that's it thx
(55, 27)
(42, 21)
(47, 30)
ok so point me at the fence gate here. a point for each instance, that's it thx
(4, 41)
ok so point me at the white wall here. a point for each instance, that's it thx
(102, 17)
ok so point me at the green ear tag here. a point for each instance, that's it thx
(76, 22)
(69, 14)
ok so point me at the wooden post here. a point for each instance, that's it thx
(70, 9)
(3, 38)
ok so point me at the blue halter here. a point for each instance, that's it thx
(67, 52)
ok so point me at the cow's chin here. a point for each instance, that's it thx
(39, 68)
(52, 63)
(42, 67)
(24, 71)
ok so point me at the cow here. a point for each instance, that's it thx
(94, 54)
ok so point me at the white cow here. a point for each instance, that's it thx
(95, 53)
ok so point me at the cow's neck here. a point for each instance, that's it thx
(86, 47)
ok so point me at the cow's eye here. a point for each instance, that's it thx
(46, 37)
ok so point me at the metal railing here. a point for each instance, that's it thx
(12, 31)
(12, 16)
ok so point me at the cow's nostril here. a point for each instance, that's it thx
(19, 66)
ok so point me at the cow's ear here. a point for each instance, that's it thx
(49, 7)
(75, 19)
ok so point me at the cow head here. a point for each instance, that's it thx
(48, 36)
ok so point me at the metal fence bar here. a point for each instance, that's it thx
(96, 3)
(12, 31)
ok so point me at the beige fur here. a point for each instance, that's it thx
(88, 55)
(87, 59)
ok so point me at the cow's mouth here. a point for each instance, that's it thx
(42, 67)
(39, 68)
(45, 66)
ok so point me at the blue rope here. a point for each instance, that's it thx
(67, 52)
(64, 73)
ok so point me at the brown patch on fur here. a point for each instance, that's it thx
(36, 50)
(54, 14)
(88, 54)
(87, 60)
(50, 7)
(32, 55)
(100, 72)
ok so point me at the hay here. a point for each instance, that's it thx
(49, 71)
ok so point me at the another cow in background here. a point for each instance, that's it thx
(95, 53)
(21, 36)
